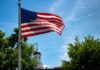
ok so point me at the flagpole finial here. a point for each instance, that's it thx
(19, 2)
(36, 48)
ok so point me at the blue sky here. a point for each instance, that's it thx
(81, 18)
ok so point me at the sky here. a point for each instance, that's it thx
(81, 18)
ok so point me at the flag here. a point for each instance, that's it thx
(35, 23)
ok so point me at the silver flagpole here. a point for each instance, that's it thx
(19, 35)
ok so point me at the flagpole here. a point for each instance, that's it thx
(19, 35)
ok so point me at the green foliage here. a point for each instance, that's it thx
(84, 55)
(9, 52)
(66, 65)
(28, 61)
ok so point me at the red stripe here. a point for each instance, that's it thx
(29, 25)
(32, 25)
(33, 34)
(48, 14)
(49, 19)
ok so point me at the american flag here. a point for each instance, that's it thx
(35, 23)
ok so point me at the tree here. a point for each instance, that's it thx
(28, 62)
(84, 55)
(9, 52)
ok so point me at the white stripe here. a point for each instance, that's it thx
(37, 21)
(38, 31)
(45, 23)
(50, 16)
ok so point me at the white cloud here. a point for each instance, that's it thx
(46, 66)
(64, 55)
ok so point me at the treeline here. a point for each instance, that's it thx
(84, 55)
(9, 52)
